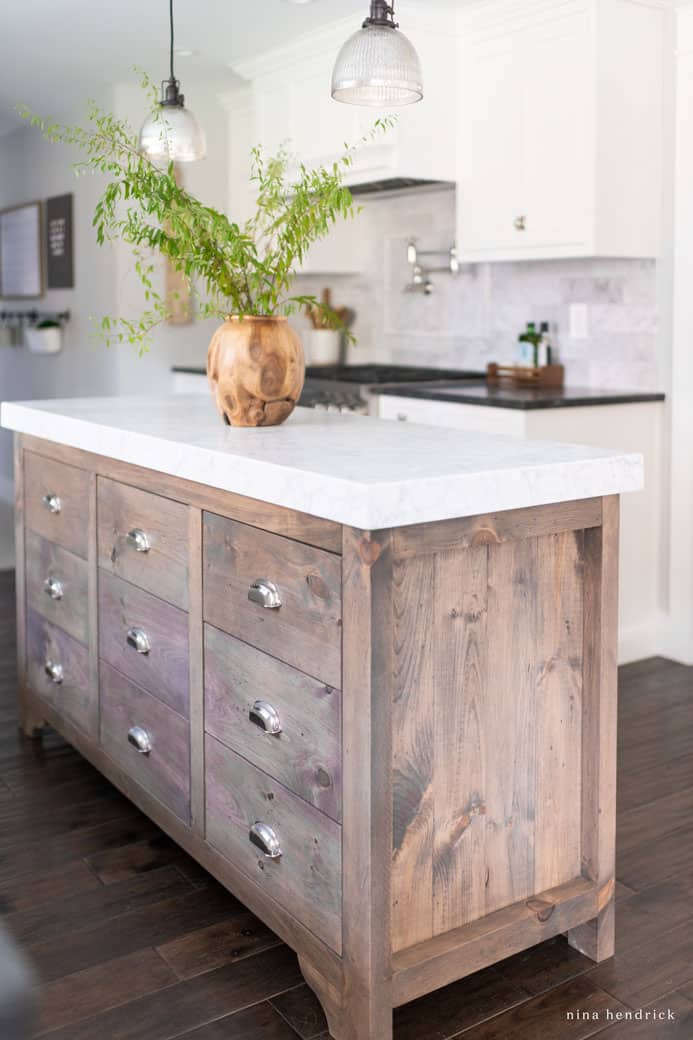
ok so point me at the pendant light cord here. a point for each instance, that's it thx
(170, 9)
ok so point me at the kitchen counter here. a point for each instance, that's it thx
(363, 672)
(517, 398)
(353, 470)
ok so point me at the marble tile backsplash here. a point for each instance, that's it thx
(475, 317)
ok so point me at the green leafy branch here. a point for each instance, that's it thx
(246, 269)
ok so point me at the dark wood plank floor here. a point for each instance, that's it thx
(133, 941)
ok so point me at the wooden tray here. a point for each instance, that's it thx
(517, 375)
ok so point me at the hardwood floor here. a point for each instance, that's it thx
(134, 941)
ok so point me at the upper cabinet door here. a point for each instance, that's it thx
(560, 136)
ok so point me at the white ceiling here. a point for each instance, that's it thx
(55, 52)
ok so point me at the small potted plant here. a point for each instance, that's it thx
(45, 337)
(241, 273)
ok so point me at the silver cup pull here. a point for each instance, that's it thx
(54, 671)
(262, 836)
(140, 740)
(52, 503)
(266, 717)
(54, 588)
(138, 640)
(265, 593)
(139, 540)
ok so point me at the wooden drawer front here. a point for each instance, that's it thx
(125, 514)
(306, 630)
(165, 770)
(162, 671)
(45, 479)
(307, 878)
(73, 697)
(56, 585)
(306, 755)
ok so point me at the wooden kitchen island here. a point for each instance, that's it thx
(364, 673)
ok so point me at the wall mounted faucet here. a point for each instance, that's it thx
(420, 280)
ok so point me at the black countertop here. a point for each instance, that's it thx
(515, 398)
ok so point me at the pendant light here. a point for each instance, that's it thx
(173, 133)
(378, 65)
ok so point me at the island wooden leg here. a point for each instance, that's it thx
(596, 938)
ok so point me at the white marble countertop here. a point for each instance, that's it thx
(359, 471)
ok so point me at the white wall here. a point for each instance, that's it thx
(32, 169)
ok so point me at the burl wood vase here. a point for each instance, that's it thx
(256, 370)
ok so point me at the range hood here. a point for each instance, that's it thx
(389, 186)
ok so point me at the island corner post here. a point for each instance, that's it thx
(478, 731)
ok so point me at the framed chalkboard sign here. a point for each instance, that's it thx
(21, 251)
(59, 248)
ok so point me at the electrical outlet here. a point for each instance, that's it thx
(579, 321)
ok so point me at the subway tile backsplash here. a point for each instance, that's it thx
(475, 317)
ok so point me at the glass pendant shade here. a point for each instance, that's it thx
(173, 134)
(378, 66)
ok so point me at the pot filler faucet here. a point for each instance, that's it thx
(420, 279)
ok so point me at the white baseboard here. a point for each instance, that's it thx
(639, 642)
(6, 489)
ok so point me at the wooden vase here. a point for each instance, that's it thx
(256, 369)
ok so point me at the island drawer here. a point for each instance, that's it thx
(57, 585)
(143, 538)
(279, 595)
(283, 721)
(149, 740)
(58, 671)
(146, 639)
(289, 848)
(56, 502)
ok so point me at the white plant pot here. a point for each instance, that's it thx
(44, 341)
(322, 346)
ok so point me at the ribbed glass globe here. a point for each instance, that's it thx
(377, 66)
(174, 135)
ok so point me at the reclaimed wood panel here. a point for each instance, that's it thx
(413, 749)
(196, 673)
(486, 730)
(307, 878)
(163, 570)
(69, 527)
(164, 670)
(45, 560)
(165, 772)
(461, 734)
(307, 755)
(312, 530)
(306, 630)
(75, 698)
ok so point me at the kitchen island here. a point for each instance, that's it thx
(364, 673)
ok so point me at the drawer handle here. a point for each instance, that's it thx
(138, 640)
(52, 503)
(520, 223)
(140, 740)
(55, 672)
(266, 717)
(139, 540)
(54, 588)
(265, 593)
(266, 840)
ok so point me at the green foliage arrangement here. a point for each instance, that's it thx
(246, 269)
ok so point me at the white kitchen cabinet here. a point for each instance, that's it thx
(630, 427)
(560, 129)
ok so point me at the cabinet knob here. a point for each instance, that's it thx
(402, 417)
(266, 717)
(54, 671)
(520, 223)
(139, 540)
(53, 588)
(138, 640)
(265, 593)
(140, 740)
(52, 503)
(262, 836)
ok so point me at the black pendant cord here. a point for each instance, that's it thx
(170, 10)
